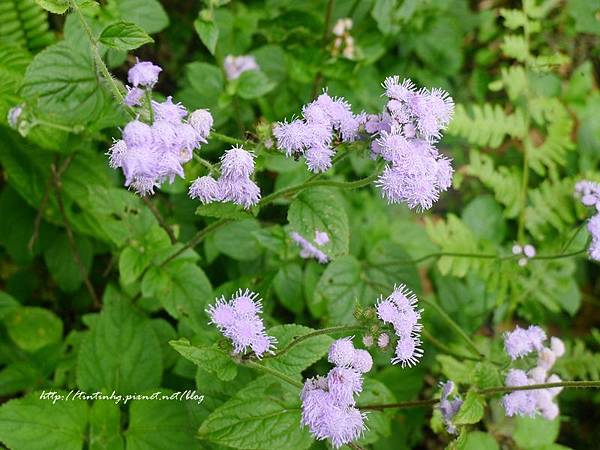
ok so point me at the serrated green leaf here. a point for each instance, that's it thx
(208, 31)
(532, 433)
(147, 14)
(320, 209)
(254, 418)
(31, 423)
(54, 6)
(211, 359)
(60, 261)
(300, 356)
(121, 352)
(478, 440)
(63, 84)
(124, 36)
(254, 84)
(105, 426)
(288, 286)
(32, 328)
(471, 410)
(236, 240)
(155, 425)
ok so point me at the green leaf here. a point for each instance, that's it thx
(379, 423)
(227, 210)
(383, 13)
(147, 14)
(211, 359)
(208, 33)
(532, 433)
(105, 426)
(157, 425)
(32, 328)
(134, 259)
(236, 240)
(54, 6)
(301, 355)
(207, 83)
(478, 440)
(121, 352)
(288, 286)
(124, 36)
(321, 209)
(484, 216)
(471, 410)
(254, 84)
(61, 263)
(347, 282)
(33, 424)
(63, 84)
(264, 414)
(181, 287)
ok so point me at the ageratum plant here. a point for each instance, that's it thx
(292, 225)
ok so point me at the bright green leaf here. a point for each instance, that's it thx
(124, 36)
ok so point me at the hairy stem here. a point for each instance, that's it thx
(444, 348)
(297, 339)
(161, 221)
(226, 139)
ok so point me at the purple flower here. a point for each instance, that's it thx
(290, 136)
(594, 229)
(169, 111)
(519, 403)
(589, 192)
(242, 191)
(341, 352)
(557, 346)
(13, 116)
(521, 342)
(307, 249)
(516, 377)
(205, 189)
(133, 96)
(318, 158)
(321, 238)
(383, 340)
(362, 361)
(143, 73)
(137, 133)
(202, 121)
(238, 319)
(343, 383)
(448, 407)
(408, 351)
(116, 153)
(237, 162)
(236, 65)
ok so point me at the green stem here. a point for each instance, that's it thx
(297, 339)
(308, 184)
(455, 327)
(75, 130)
(489, 256)
(226, 139)
(489, 391)
(444, 348)
(205, 163)
(150, 108)
(96, 54)
(273, 372)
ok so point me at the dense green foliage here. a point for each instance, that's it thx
(103, 291)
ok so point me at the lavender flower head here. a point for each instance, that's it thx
(169, 111)
(536, 401)
(328, 403)
(448, 407)
(234, 184)
(143, 73)
(202, 121)
(593, 227)
(589, 193)
(310, 250)
(400, 310)
(238, 319)
(236, 65)
(521, 342)
(134, 96)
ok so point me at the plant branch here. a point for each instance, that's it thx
(159, 218)
(273, 372)
(71, 238)
(226, 139)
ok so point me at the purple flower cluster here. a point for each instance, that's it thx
(448, 407)
(400, 310)
(521, 341)
(323, 121)
(238, 319)
(236, 65)
(589, 193)
(405, 136)
(151, 154)
(328, 404)
(234, 184)
(310, 250)
(528, 251)
(535, 401)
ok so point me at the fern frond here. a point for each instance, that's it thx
(551, 206)
(25, 23)
(514, 80)
(513, 18)
(578, 363)
(487, 125)
(504, 181)
(13, 62)
(515, 46)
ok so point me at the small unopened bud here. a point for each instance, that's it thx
(383, 340)
(368, 340)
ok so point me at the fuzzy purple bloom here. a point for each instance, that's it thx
(448, 407)
(308, 250)
(202, 121)
(593, 227)
(13, 116)
(521, 342)
(205, 189)
(169, 111)
(237, 163)
(589, 193)
(236, 65)
(238, 319)
(143, 73)
(133, 96)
